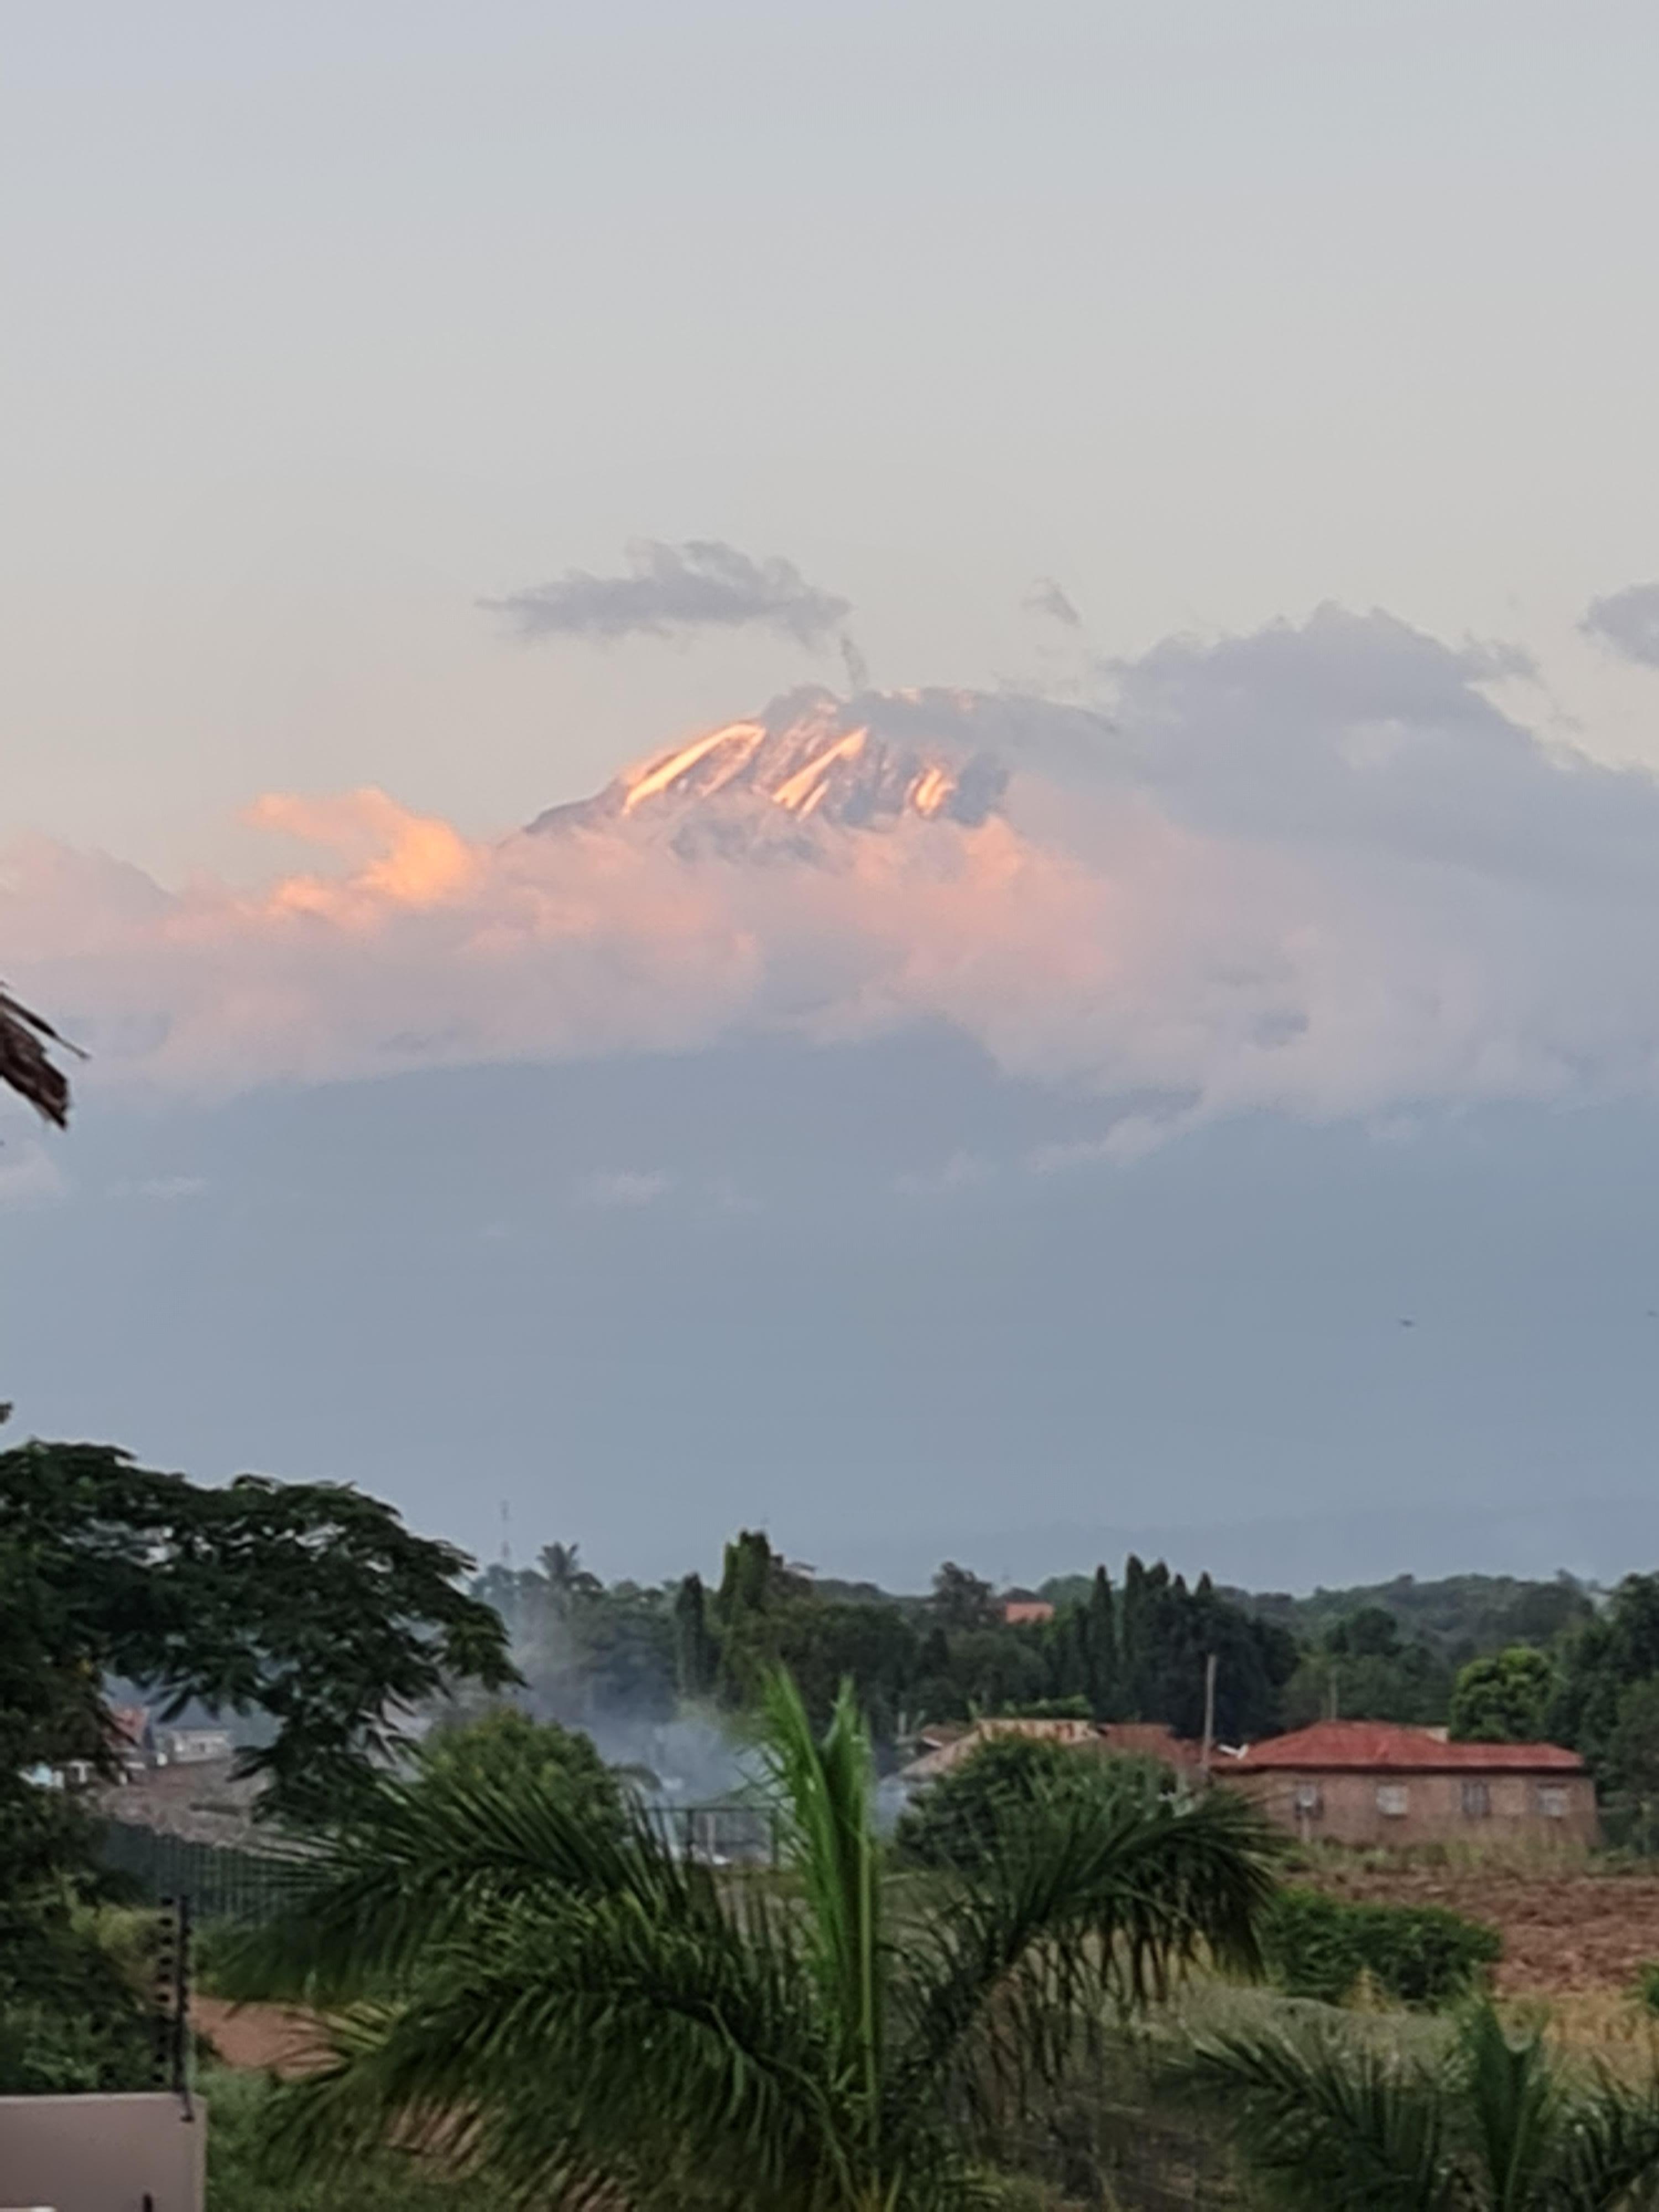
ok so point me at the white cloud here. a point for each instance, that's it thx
(1315, 869)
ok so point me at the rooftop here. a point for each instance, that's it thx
(1335, 1746)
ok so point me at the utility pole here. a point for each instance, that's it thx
(1209, 1712)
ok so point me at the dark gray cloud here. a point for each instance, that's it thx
(1628, 621)
(1046, 597)
(701, 585)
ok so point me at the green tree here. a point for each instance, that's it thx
(1099, 1625)
(697, 1655)
(592, 2020)
(1504, 1700)
(957, 1819)
(962, 1599)
(305, 1604)
(506, 1748)
(1326, 2116)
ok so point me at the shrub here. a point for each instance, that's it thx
(72, 2014)
(1319, 1947)
(239, 2108)
(954, 1821)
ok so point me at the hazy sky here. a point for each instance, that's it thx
(458, 402)
(322, 322)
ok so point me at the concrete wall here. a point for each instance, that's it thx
(102, 2153)
(1365, 1809)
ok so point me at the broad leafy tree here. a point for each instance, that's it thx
(308, 1607)
(1505, 1698)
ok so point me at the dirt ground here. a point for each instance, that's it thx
(1574, 1932)
(256, 2035)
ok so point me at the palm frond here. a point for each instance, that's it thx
(1327, 2120)
(1080, 1906)
(827, 1788)
(1511, 2105)
(586, 2043)
(1607, 2149)
(425, 1863)
(25, 1065)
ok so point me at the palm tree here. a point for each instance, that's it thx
(590, 2021)
(24, 1065)
(1326, 2116)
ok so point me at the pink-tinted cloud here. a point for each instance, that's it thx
(1315, 870)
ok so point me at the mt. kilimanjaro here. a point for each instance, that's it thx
(810, 760)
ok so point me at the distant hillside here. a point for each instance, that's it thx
(1458, 1618)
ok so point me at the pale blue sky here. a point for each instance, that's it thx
(325, 323)
(323, 320)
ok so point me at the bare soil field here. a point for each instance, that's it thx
(1576, 1931)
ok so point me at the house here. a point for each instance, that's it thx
(1024, 1609)
(191, 1747)
(1372, 1782)
(946, 1746)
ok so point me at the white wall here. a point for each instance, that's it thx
(136, 2154)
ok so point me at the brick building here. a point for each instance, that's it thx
(1371, 1782)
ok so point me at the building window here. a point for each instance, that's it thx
(1552, 1802)
(1476, 1800)
(1393, 1799)
(1309, 1799)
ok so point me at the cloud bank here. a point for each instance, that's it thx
(676, 589)
(1315, 870)
(1628, 621)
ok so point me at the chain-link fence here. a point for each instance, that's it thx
(222, 1883)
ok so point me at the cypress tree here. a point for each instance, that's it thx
(695, 1658)
(1099, 1626)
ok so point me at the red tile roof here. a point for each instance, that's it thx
(1332, 1746)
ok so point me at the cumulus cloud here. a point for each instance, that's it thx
(668, 589)
(1628, 621)
(1315, 870)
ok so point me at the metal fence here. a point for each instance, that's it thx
(719, 1835)
(222, 1883)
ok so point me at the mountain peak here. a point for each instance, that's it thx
(813, 757)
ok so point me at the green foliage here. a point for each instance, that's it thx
(1504, 1699)
(961, 1600)
(506, 1748)
(1365, 1670)
(307, 1604)
(1317, 1946)
(590, 1652)
(239, 2110)
(1460, 1617)
(957, 1819)
(583, 2017)
(697, 1655)
(73, 2014)
(1326, 2115)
